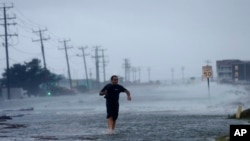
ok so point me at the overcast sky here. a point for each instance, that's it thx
(155, 34)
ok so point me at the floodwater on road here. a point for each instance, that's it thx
(167, 113)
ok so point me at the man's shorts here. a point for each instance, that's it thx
(112, 109)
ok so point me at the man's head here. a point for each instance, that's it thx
(114, 79)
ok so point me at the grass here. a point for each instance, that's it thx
(245, 115)
(222, 138)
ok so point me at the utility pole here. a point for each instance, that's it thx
(104, 65)
(90, 73)
(172, 73)
(127, 69)
(149, 70)
(6, 35)
(182, 73)
(97, 65)
(139, 74)
(43, 53)
(134, 70)
(85, 64)
(67, 59)
(42, 46)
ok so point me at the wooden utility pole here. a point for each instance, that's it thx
(126, 69)
(104, 63)
(85, 64)
(42, 46)
(43, 53)
(172, 74)
(149, 71)
(97, 65)
(6, 35)
(182, 73)
(139, 74)
(67, 59)
(134, 70)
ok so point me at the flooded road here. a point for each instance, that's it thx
(167, 113)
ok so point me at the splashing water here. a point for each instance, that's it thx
(177, 112)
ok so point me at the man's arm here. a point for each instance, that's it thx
(101, 93)
(128, 95)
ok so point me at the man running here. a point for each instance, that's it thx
(112, 92)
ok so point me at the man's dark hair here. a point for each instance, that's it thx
(112, 77)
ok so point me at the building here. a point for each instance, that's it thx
(232, 71)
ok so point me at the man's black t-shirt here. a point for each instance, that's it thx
(113, 92)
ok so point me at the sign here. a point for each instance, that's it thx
(207, 71)
(239, 132)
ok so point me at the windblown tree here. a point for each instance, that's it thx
(30, 76)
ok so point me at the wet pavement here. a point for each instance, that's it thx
(183, 113)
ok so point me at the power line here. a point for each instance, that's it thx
(31, 23)
(28, 53)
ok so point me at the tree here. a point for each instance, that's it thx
(30, 76)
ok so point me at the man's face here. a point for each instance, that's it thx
(114, 80)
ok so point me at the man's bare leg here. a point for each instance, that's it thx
(110, 125)
(113, 125)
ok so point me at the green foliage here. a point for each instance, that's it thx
(222, 138)
(30, 76)
(243, 115)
